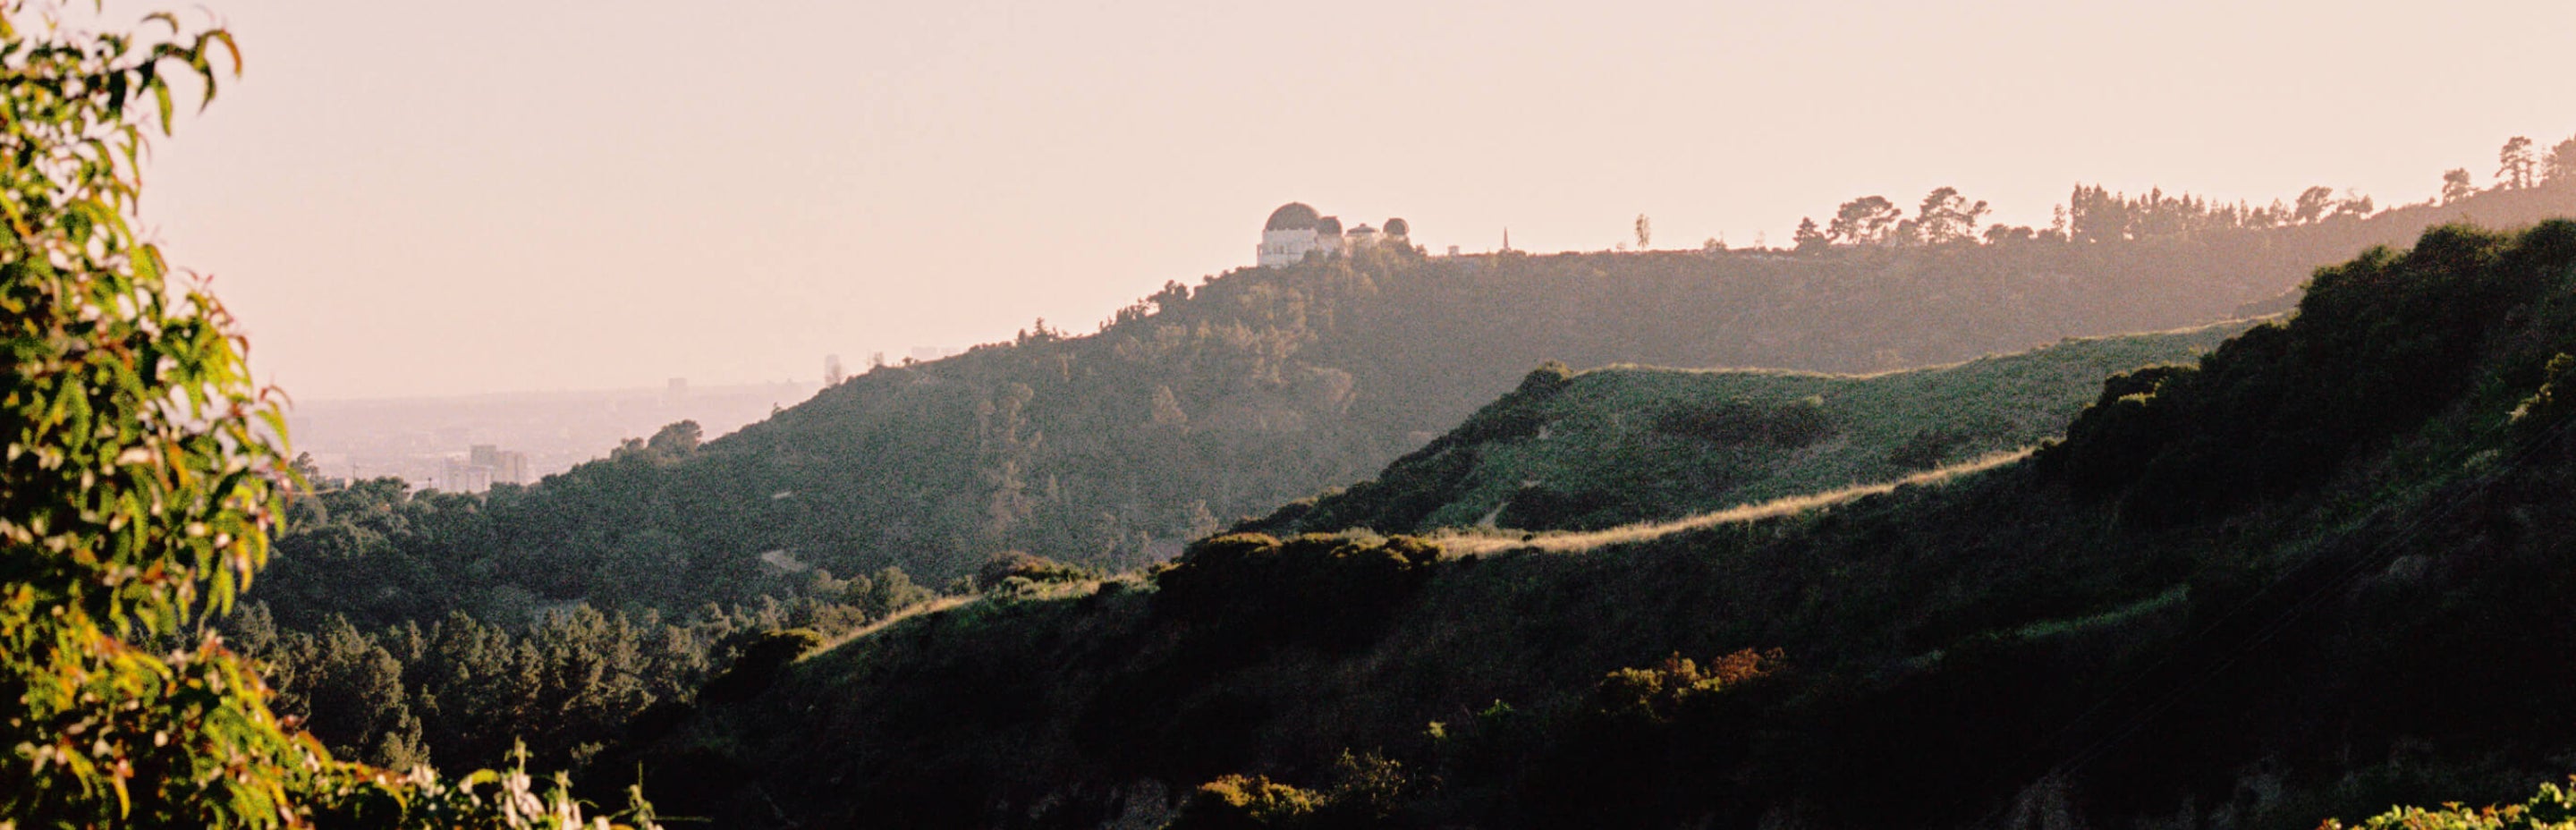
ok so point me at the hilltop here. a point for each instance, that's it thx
(1624, 444)
(1201, 405)
(2318, 572)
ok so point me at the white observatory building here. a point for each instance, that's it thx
(1295, 232)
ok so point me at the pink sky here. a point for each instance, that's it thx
(414, 199)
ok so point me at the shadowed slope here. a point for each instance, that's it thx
(2323, 570)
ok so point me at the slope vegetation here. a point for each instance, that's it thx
(1628, 444)
(2321, 571)
(1204, 404)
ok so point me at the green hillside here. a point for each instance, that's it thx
(1205, 404)
(2322, 571)
(1627, 444)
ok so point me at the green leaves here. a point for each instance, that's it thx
(2553, 807)
(143, 475)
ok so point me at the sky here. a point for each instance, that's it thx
(409, 199)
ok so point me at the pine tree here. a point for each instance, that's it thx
(1808, 237)
(2455, 185)
(2516, 163)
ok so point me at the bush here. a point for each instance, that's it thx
(1366, 791)
(1660, 693)
(1327, 590)
(1930, 448)
(2549, 404)
(761, 663)
(1035, 569)
(1793, 424)
(1235, 802)
(1545, 381)
(1545, 508)
(1652, 747)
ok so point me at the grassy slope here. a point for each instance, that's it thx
(1610, 452)
(2361, 600)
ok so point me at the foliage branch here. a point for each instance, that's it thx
(141, 475)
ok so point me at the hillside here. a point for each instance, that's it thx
(1201, 405)
(2322, 571)
(1626, 444)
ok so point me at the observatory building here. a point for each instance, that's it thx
(1296, 232)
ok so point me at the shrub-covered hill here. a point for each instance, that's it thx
(1264, 385)
(2324, 570)
(1204, 404)
(1627, 444)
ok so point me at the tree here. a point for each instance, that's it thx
(1645, 231)
(1864, 221)
(1946, 217)
(2455, 185)
(891, 591)
(2561, 165)
(2010, 234)
(354, 698)
(144, 476)
(2313, 204)
(676, 439)
(2094, 215)
(2516, 163)
(1167, 408)
(1808, 238)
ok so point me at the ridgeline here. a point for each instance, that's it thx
(1200, 406)
(2321, 571)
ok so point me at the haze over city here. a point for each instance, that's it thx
(483, 196)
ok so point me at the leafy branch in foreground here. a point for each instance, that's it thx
(140, 478)
(2554, 807)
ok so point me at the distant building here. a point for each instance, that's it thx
(506, 466)
(460, 476)
(483, 466)
(1295, 231)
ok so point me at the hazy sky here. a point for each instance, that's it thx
(468, 196)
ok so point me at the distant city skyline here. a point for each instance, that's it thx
(515, 437)
(483, 197)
